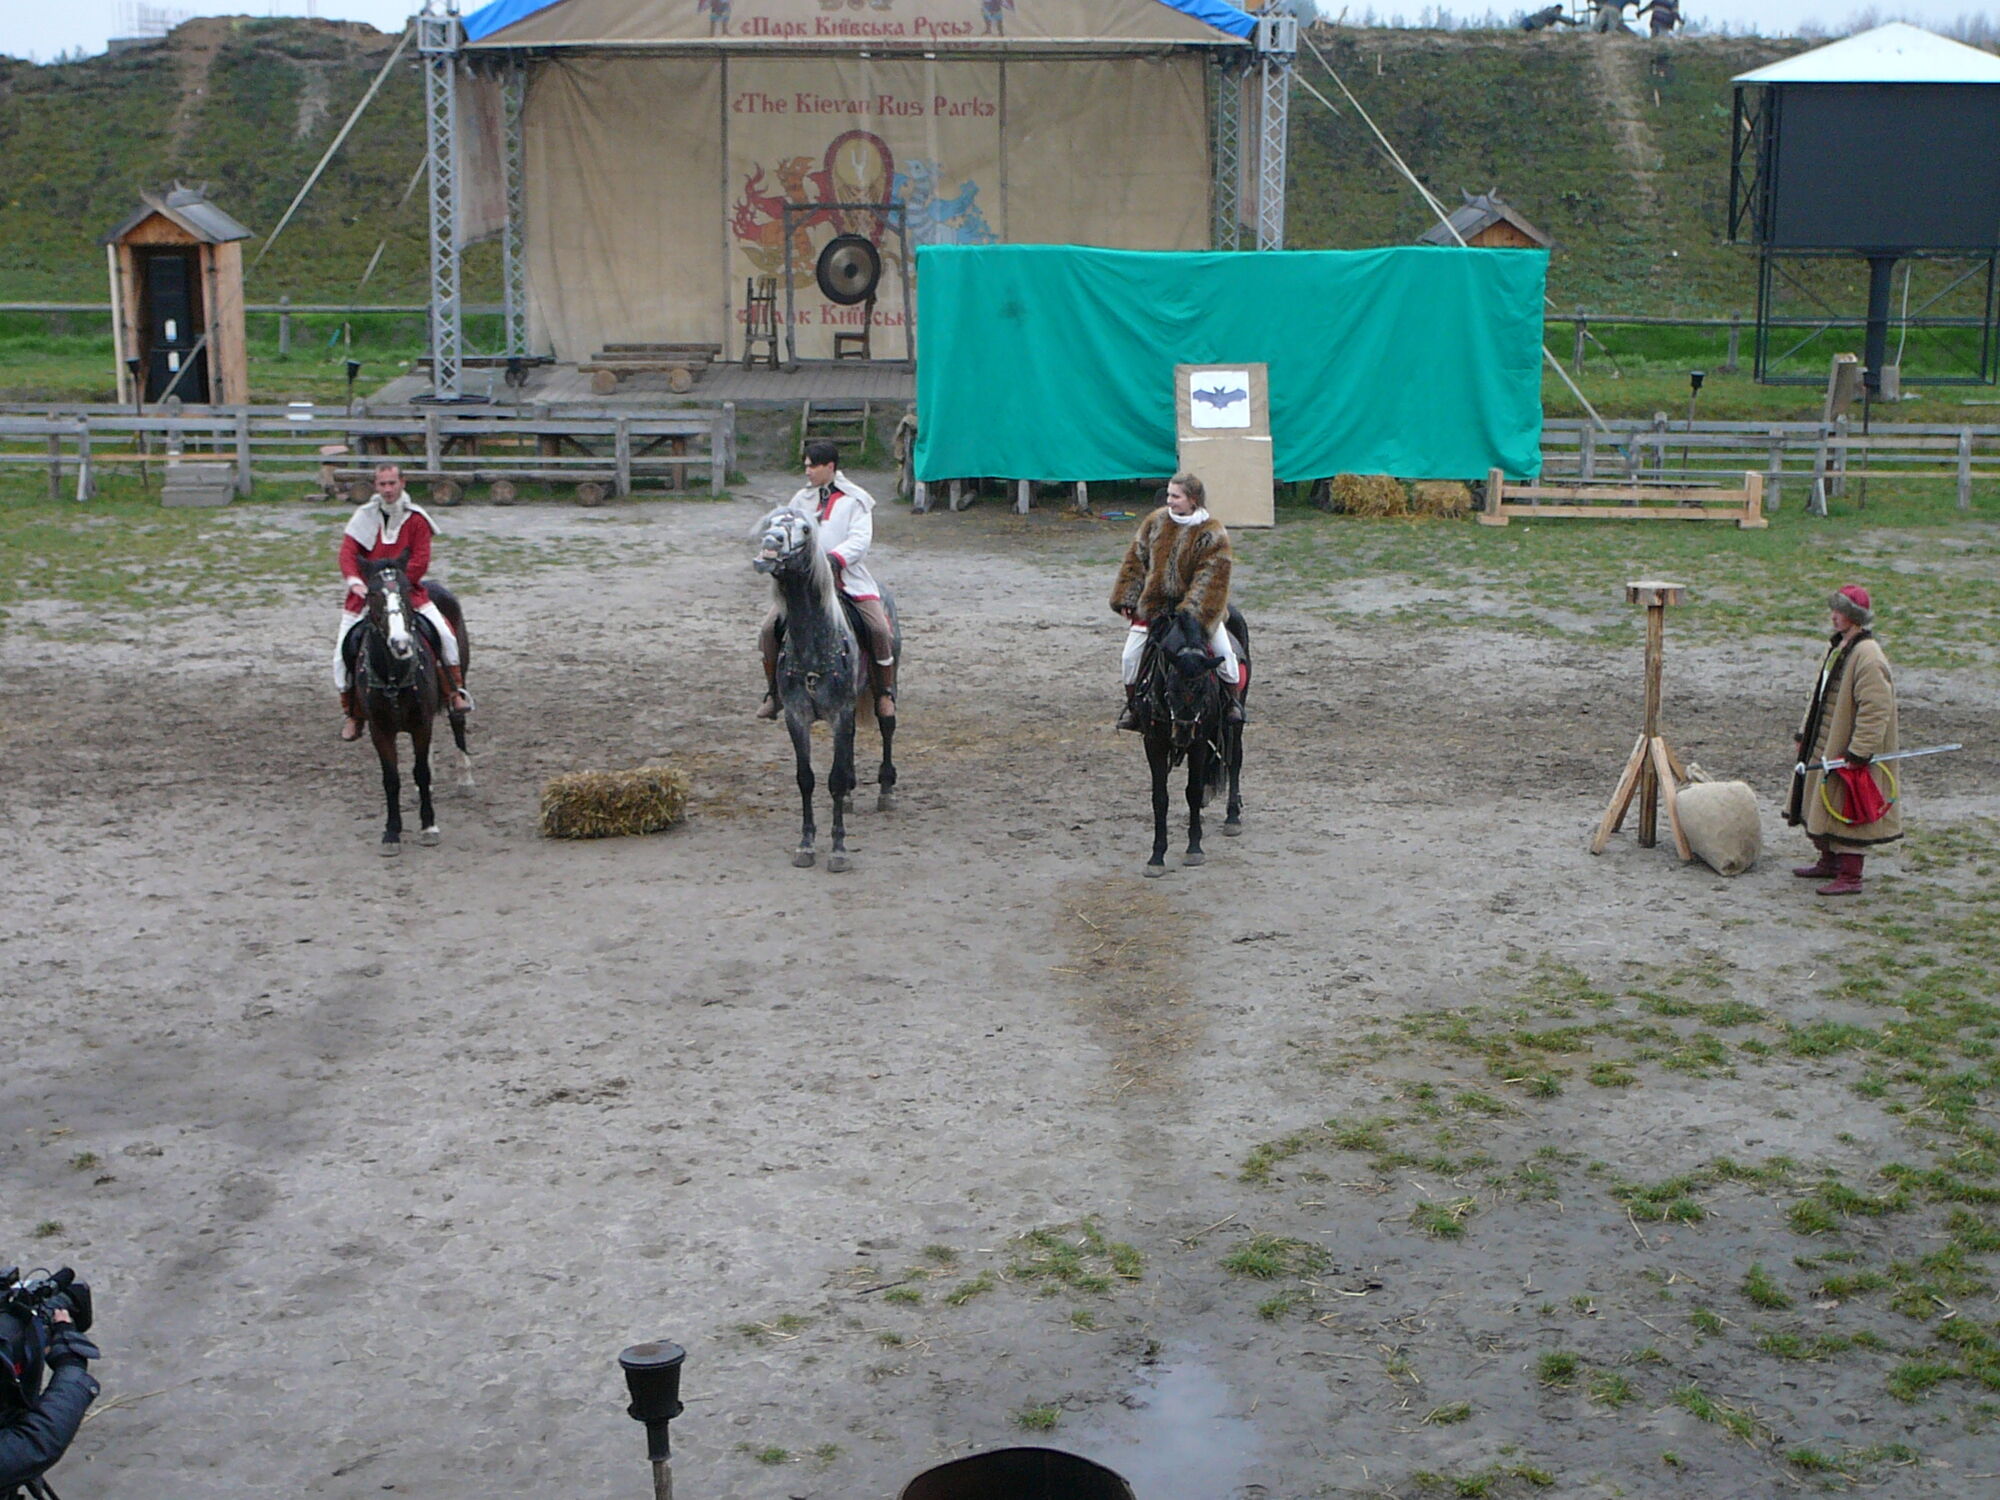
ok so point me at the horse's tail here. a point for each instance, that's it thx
(1239, 628)
(1215, 775)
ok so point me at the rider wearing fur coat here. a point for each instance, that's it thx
(1180, 558)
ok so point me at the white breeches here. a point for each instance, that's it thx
(1219, 643)
(431, 612)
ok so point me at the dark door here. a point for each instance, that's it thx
(173, 318)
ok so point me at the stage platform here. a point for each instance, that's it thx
(563, 390)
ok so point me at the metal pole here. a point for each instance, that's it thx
(513, 256)
(1226, 187)
(437, 41)
(1277, 44)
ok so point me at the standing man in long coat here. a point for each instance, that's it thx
(1852, 719)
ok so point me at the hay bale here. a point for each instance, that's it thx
(1369, 495)
(609, 804)
(1446, 498)
(1720, 821)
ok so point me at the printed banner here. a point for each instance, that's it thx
(925, 134)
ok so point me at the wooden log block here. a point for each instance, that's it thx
(603, 383)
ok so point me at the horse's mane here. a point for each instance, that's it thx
(823, 586)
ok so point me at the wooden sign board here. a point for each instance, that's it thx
(1222, 414)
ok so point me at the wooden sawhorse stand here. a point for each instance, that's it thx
(1653, 769)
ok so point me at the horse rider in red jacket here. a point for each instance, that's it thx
(387, 525)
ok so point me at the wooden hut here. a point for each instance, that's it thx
(177, 301)
(1488, 221)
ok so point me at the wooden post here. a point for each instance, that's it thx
(1837, 485)
(1496, 490)
(621, 455)
(86, 477)
(1649, 776)
(1082, 498)
(433, 447)
(55, 462)
(1650, 770)
(1576, 356)
(1774, 471)
(1753, 502)
(243, 480)
(1965, 468)
(729, 440)
(920, 497)
(284, 327)
(1586, 462)
(958, 500)
(1729, 365)
(1024, 496)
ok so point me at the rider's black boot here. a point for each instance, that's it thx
(1128, 716)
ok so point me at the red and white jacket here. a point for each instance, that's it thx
(373, 534)
(846, 528)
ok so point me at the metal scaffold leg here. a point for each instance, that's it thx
(514, 262)
(438, 41)
(1226, 229)
(1277, 44)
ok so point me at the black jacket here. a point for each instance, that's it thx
(32, 1440)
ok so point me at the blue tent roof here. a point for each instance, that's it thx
(501, 14)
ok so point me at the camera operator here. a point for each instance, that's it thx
(39, 1333)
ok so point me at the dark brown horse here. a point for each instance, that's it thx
(1183, 708)
(398, 689)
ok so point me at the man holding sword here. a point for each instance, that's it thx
(1841, 794)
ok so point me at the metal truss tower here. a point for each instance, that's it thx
(438, 37)
(1258, 151)
(1226, 228)
(1277, 45)
(513, 257)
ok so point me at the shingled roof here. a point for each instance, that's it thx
(190, 209)
(1481, 213)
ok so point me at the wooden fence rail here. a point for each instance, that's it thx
(447, 449)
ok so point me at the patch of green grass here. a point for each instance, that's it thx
(1558, 1368)
(1669, 1201)
(771, 1455)
(1077, 1256)
(1706, 1408)
(1913, 1379)
(1266, 1257)
(84, 1161)
(1263, 1157)
(1451, 1413)
(1761, 1288)
(940, 1255)
(965, 1291)
(781, 1329)
(1483, 1482)
(1083, 1320)
(1275, 1306)
(907, 1295)
(1612, 1389)
(1707, 1322)
(1038, 1418)
(1444, 1221)
(47, 1229)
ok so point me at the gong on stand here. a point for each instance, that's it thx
(849, 271)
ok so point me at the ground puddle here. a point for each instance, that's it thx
(1180, 1434)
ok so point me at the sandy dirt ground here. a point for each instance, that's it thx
(377, 1164)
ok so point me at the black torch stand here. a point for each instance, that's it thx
(653, 1376)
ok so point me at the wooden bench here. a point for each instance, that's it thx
(683, 364)
(1622, 502)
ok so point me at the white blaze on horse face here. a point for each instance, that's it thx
(399, 624)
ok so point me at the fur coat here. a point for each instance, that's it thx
(1856, 711)
(1170, 567)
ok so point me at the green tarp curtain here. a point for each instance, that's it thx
(1057, 362)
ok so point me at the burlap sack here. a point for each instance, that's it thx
(1720, 821)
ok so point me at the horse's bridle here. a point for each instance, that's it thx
(405, 673)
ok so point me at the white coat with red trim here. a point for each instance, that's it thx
(846, 530)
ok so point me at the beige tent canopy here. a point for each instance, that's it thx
(660, 141)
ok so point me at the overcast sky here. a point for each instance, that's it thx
(29, 28)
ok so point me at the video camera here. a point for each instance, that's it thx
(27, 1314)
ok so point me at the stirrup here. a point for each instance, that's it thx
(768, 709)
(350, 730)
(460, 692)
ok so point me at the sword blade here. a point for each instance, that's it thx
(1828, 766)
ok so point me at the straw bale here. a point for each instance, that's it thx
(1440, 497)
(608, 804)
(1369, 495)
(1719, 819)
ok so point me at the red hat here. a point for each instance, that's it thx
(1852, 601)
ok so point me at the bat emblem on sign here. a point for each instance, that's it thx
(1220, 397)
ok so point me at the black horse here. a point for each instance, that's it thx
(1183, 709)
(822, 671)
(398, 689)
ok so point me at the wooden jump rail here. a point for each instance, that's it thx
(1745, 506)
(606, 454)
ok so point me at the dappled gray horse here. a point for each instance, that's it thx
(821, 670)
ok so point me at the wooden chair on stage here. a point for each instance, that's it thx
(760, 326)
(857, 344)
